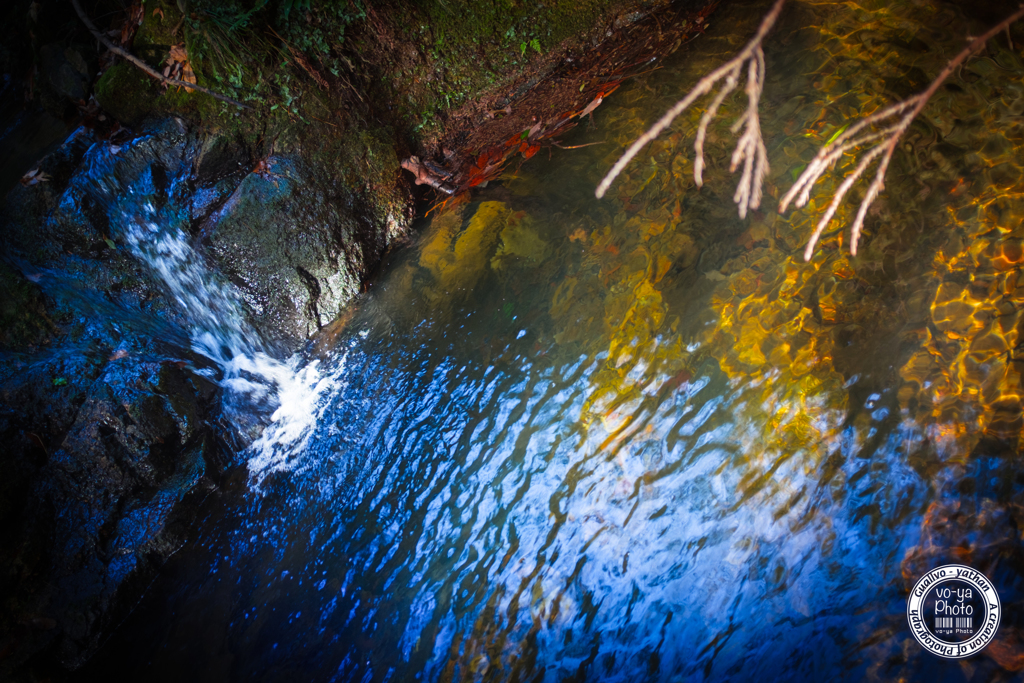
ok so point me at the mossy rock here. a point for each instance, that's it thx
(23, 319)
(126, 93)
(290, 243)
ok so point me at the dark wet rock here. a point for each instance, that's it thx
(25, 210)
(66, 70)
(111, 436)
(296, 245)
(23, 318)
(294, 248)
(221, 157)
(104, 508)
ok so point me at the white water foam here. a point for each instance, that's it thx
(291, 391)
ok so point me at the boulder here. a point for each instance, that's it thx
(294, 248)
(101, 507)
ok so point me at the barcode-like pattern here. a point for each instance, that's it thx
(954, 622)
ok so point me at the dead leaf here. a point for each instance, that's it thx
(34, 176)
(120, 353)
(178, 54)
(159, 12)
(592, 106)
(188, 75)
(131, 24)
(178, 66)
(301, 60)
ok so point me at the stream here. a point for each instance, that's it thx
(637, 438)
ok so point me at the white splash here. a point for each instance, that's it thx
(291, 391)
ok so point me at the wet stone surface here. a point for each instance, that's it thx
(113, 426)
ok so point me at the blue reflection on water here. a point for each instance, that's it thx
(455, 520)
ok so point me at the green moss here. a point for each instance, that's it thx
(468, 47)
(394, 74)
(125, 93)
(23, 320)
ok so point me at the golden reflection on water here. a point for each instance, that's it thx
(941, 270)
(660, 278)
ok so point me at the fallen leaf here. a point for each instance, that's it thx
(131, 24)
(159, 12)
(188, 75)
(178, 53)
(592, 106)
(34, 176)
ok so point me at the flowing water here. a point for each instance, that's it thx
(638, 438)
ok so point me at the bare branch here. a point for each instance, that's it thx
(888, 137)
(702, 128)
(838, 198)
(750, 148)
(146, 67)
(822, 162)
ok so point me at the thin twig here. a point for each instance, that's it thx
(831, 152)
(908, 110)
(599, 142)
(146, 67)
(702, 127)
(752, 52)
(750, 149)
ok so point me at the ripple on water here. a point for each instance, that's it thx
(639, 439)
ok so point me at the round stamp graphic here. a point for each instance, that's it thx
(954, 611)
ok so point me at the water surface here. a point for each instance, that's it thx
(639, 439)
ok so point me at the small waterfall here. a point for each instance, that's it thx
(271, 403)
